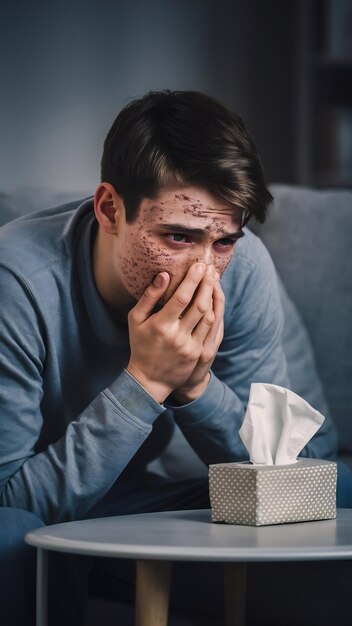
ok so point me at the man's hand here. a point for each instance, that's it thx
(169, 348)
(199, 379)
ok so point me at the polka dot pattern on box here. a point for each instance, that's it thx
(242, 493)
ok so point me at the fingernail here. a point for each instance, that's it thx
(211, 270)
(158, 280)
(199, 267)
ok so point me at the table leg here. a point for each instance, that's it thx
(42, 587)
(235, 575)
(152, 593)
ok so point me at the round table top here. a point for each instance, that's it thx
(191, 536)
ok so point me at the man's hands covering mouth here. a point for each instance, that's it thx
(172, 349)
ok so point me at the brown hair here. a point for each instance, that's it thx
(183, 138)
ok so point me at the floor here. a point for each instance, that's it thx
(110, 613)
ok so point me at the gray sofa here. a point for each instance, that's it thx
(308, 235)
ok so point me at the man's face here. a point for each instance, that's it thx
(170, 233)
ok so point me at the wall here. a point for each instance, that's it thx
(66, 69)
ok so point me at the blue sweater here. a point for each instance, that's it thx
(71, 418)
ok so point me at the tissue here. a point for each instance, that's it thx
(274, 487)
(257, 495)
(277, 425)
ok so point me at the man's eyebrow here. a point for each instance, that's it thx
(186, 230)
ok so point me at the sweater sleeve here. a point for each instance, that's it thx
(66, 479)
(251, 351)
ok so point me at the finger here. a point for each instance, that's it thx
(215, 335)
(215, 330)
(202, 301)
(204, 327)
(218, 307)
(184, 293)
(151, 297)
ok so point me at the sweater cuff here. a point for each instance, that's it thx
(135, 399)
(208, 403)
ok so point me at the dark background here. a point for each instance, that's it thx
(67, 68)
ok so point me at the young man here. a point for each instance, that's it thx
(141, 308)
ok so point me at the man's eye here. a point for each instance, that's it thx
(177, 237)
(226, 242)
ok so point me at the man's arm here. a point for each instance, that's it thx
(75, 470)
(66, 479)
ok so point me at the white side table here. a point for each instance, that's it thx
(155, 540)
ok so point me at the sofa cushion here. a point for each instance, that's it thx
(300, 358)
(308, 234)
(27, 199)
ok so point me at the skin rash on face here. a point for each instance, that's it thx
(170, 233)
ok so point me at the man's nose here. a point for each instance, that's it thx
(206, 256)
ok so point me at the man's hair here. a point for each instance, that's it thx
(183, 138)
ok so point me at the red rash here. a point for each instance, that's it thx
(144, 249)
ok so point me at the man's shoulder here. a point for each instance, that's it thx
(250, 257)
(251, 249)
(40, 239)
(250, 285)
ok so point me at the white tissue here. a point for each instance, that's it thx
(277, 425)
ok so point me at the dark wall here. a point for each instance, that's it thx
(66, 69)
(270, 58)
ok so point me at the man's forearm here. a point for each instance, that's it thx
(64, 481)
(211, 423)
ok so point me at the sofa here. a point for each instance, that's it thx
(308, 235)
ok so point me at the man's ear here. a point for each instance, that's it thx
(108, 208)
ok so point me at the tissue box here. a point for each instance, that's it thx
(256, 495)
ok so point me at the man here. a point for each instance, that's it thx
(143, 307)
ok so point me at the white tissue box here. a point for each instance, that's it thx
(256, 495)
